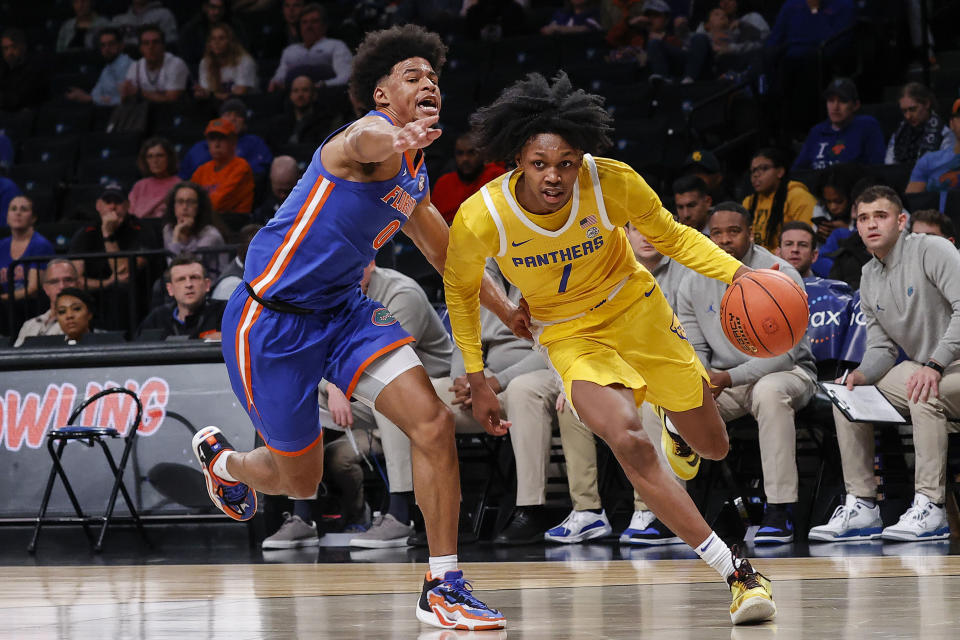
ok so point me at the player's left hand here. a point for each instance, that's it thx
(486, 406)
(339, 406)
(519, 321)
(416, 134)
(924, 383)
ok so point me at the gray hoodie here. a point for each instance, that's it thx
(698, 307)
(911, 300)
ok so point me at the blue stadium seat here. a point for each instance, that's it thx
(109, 145)
(55, 120)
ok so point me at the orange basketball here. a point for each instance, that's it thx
(764, 313)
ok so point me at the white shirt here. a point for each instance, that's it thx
(44, 324)
(172, 76)
(243, 74)
(326, 51)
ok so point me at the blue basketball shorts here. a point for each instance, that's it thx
(276, 361)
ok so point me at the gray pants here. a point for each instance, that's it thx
(773, 401)
(930, 427)
(528, 402)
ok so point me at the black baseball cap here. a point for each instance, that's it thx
(843, 88)
(113, 192)
(702, 158)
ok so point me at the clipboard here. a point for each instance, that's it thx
(864, 404)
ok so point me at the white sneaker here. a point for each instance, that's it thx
(922, 521)
(853, 520)
(580, 526)
(646, 529)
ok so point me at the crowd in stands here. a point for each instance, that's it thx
(143, 143)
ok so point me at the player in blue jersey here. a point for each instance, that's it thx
(300, 316)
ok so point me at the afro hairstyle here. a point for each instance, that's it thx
(533, 106)
(381, 50)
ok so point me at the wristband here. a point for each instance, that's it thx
(936, 367)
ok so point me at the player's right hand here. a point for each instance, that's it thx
(486, 409)
(519, 321)
(416, 134)
(339, 406)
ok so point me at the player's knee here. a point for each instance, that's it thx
(434, 429)
(715, 447)
(303, 487)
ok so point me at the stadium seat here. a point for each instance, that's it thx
(109, 145)
(39, 175)
(895, 175)
(103, 170)
(303, 153)
(17, 126)
(183, 137)
(923, 200)
(887, 113)
(79, 202)
(61, 149)
(55, 120)
(59, 233)
(44, 203)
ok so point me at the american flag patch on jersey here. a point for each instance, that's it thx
(589, 221)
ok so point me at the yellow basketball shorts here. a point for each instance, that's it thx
(638, 343)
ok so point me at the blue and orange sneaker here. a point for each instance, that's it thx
(450, 604)
(233, 498)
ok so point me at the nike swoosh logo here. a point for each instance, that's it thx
(694, 462)
(706, 546)
(648, 293)
(517, 244)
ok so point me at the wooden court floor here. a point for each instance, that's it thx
(849, 598)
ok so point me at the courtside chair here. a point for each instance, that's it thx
(57, 440)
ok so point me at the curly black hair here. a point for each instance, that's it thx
(535, 105)
(381, 50)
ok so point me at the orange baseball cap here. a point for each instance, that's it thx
(956, 108)
(221, 126)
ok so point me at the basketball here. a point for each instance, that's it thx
(764, 313)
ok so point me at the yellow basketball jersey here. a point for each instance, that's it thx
(566, 271)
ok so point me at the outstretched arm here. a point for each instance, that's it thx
(372, 139)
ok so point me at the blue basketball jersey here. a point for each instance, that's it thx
(313, 252)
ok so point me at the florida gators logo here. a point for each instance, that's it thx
(383, 318)
(421, 183)
(838, 148)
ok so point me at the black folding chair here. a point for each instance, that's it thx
(57, 439)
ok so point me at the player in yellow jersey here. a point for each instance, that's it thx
(555, 227)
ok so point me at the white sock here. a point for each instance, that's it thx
(439, 565)
(220, 467)
(669, 425)
(717, 554)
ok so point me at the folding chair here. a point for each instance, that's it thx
(57, 439)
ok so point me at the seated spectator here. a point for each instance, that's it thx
(831, 216)
(797, 55)
(144, 13)
(116, 231)
(226, 69)
(188, 226)
(843, 136)
(677, 53)
(451, 189)
(939, 171)
(408, 304)
(284, 29)
(576, 16)
(23, 79)
(59, 274)
(284, 174)
(8, 191)
(157, 161)
(798, 246)
(326, 60)
(107, 91)
(627, 33)
(191, 313)
(159, 76)
(771, 389)
(704, 165)
(926, 387)
(74, 309)
(304, 120)
(250, 147)
(932, 222)
(692, 202)
(493, 20)
(736, 42)
(588, 520)
(23, 242)
(232, 275)
(195, 33)
(79, 31)
(921, 130)
(775, 199)
(6, 152)
(227, 178)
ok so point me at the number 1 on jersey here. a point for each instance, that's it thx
(564, 277)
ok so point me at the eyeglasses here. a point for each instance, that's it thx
(185, 201)
(64, 281)
(755, 171)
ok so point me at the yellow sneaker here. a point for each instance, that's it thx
(684, 461)
(752, 595)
